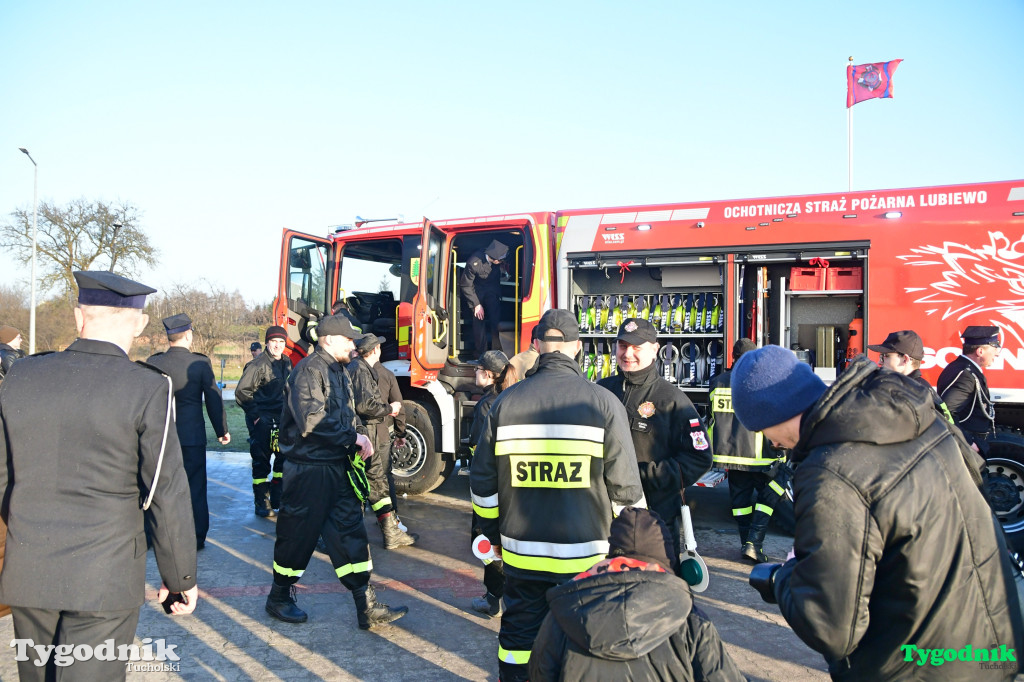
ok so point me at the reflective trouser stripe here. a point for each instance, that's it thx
(742, 511)
(277, 474)
(290, 572)
(363, 567)
(257, 481)
(548, 447)
(513, 656)
(381, 503)
(777, 488)
(550, 564)
(763, 508)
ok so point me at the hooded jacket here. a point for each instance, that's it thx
(895, 545)
(632, 624)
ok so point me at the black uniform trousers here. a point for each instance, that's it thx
(750, 492)
(525, 608)
(50, 626)
(259, 449)
(194, 459)
(318, 500)
(485, 331)
(378, 474)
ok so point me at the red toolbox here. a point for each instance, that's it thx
(845, 279)
(807, 279)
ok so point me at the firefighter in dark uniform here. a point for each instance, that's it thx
(553, 464)
(481, 284)
(321, 448)
(89, 451)
(387, 382)
(903, 352)
(373, 412)
(260, 393)
(194, 383)
(758, 475)
(962, 386)
(672, 448)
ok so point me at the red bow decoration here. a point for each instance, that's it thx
(623, 269)
(820, 262)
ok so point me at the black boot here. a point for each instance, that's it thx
(275, 493)
(744, 529)
(487, 604)
(281, 604)
(752, 548)
(394, 537)
(259, 493)
(371, 612)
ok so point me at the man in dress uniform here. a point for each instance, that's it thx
(193, 380)
(320, 444)
(82, 469)
(260, 393)
(963, 388)
(480, 284)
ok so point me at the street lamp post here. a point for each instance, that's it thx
(35, 219)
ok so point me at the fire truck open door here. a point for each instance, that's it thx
(431, 333)
(304, 278)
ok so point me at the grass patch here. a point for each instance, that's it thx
(236, 427)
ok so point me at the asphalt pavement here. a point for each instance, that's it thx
(230, 636)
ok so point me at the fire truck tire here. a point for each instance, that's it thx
(1004, 483)
(418, 466)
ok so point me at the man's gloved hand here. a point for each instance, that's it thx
(762, 579)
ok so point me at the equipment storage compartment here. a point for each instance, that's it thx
(682, 297)
(811, 313)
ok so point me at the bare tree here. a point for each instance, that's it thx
(218, 316)
(80, 235)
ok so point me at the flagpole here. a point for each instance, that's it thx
(849, 142)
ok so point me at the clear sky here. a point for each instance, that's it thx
(226, 121)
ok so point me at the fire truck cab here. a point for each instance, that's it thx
(825, 275)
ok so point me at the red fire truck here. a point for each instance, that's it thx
(822, 274)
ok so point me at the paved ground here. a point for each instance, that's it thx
(230, 637)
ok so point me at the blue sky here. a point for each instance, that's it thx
(227, 121)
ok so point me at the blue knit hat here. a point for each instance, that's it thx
(770, 386)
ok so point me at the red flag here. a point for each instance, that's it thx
(867, 81)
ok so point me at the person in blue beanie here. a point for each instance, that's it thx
(896, 551)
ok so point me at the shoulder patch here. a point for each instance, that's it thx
(700, 442)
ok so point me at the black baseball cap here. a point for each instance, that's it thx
(981, 335)
(558, 325)
(106, 289)
(337, 325)
(367, 342)
(636, 331)
(493, 361)
(904, 342)
(175, 324)
(255, 345)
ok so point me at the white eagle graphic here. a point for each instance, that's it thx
(964, 288)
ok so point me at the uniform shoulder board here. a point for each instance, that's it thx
(42, 353)
(202, 355)
(156, 355)
(156, 369)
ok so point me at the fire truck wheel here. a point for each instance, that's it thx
(417, 467)
(1004, 482)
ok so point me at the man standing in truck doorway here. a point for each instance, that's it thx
(480, 284)
(963, 387)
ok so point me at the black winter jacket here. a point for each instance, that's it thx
(260, 391)
(318, 425)
(370, 406)
(631, 625)
(672, 448)
(8, 355)
(895, 544)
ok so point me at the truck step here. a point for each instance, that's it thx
(712, 478)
